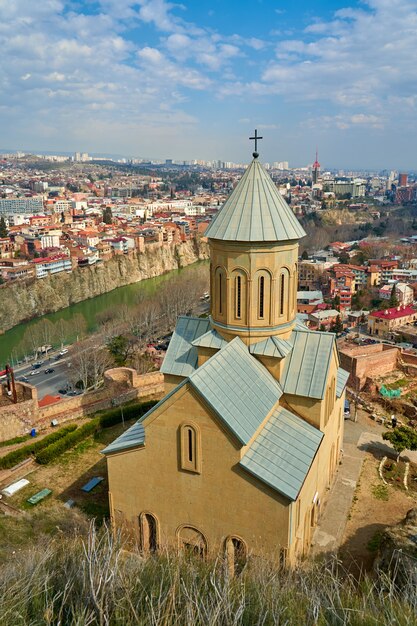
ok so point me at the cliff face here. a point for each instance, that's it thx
(22, 301)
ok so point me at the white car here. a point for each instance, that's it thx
(63, 351)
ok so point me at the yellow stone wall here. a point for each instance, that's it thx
(223, 500)
(251, 261)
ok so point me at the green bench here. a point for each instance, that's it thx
(38, 497)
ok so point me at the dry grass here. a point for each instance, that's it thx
(83, 576)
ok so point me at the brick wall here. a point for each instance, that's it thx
(121, 385)
(368, 362)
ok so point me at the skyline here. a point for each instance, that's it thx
(162, 80)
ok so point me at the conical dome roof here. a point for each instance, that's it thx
(255, 211)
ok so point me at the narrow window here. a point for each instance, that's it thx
(220, 294)
(238, 296)
(190, 445)
(282, 292)
(261, 296)
(190, 448)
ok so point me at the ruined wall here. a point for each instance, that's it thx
(368, 362)
(25, 300)
(19, 419)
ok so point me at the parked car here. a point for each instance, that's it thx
(62, 391)
(49, 370)
(63, 351)
(36, 366)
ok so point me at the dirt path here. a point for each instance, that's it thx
(374, 508)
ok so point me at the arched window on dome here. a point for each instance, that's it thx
(284, 292)
(239, 287)
(262, 295)
(220, 291)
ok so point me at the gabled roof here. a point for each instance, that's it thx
(131, 438)
(271, 346)
(255, 211)
(282, 453)
(306, 367)
(135, 435)
(211, 339)
(341, 380)
(238, 388)
(181, 357)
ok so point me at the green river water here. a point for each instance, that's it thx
(122, 296)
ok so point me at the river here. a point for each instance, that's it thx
(89, 309)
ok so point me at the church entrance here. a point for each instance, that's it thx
(192, 541)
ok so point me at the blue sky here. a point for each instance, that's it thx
(193, 79)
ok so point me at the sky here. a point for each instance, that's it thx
(192, 80)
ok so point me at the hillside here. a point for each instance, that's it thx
(23, 301)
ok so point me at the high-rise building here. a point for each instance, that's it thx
(316, 170)
(402, 179)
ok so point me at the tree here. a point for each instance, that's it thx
(338, 326)
(322, 328)
(401, 438)
(393, 300)
(120, 348)
(3, 227)
(344, 258)
(304, 256)
(107, 215)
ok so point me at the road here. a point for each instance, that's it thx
(46, 384)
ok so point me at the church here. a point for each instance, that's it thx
(237, 457)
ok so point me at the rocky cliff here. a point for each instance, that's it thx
(22, 301)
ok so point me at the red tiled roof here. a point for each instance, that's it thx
(394, 313)
(47, 400)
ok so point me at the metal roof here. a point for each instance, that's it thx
(211, 339)
(255, 211)
(272, 346)
(238, 388)
(282, 453)
(342, 378)
(306, 367)
(181, 357)
(131, 438)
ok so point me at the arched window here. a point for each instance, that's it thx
(238, 292)
(284, 292)
(148, 528)
(190, 448)
(220, 291)
(261, 296)
(192, 541)
(239, 286)
(236, 555)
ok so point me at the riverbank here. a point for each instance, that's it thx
(21, 302)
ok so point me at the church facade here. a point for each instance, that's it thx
(238, 455)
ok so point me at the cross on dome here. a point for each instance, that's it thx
(255, 138)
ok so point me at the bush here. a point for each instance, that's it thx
(48, 454)
(114, 416)
(11, 442)
(16, 456)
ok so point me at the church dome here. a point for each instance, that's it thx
(255, 212)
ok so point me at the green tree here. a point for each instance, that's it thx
(344, 258)
(120, 348)
(393, 300)
(3, 227)
(322, 328)
(336, 302)
(107, 215)
(304, 256)
(401, 438)
(338, 326)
